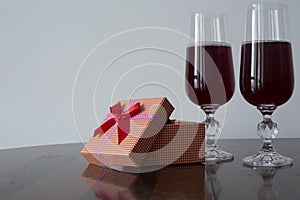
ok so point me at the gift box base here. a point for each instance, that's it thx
(179, 142)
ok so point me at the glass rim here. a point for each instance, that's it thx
(209, 14)
(268, 5)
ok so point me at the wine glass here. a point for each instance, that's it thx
(266, 73)
(209, 75)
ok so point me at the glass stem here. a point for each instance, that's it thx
(267, 146)
(267, 129)
(211, 124)
(211, 135)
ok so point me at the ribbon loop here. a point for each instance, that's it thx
(116, 109)
(121, 119)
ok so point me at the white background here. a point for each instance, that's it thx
(42, 45)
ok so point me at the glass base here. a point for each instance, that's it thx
(215, 155)
(267, 159)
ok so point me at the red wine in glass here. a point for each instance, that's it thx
(209, 72)
(269, 80)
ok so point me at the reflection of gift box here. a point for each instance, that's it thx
(151, 140)
(173, 182)
(180, 182)
(108, 183)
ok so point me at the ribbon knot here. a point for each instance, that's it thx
(119, 118)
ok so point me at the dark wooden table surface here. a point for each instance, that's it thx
(60, 172)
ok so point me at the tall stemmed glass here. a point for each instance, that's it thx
(209, 74)
(266, 73)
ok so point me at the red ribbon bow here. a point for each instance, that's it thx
(121, 118)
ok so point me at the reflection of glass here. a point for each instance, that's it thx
(268, 191)
(209, 75)
(213, 187)
(212, 184)
(266, 75)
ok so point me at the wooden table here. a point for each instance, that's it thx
(60, 172)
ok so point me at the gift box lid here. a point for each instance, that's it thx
(144, 126)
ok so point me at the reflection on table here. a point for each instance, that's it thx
(56, 172)
(173, 182)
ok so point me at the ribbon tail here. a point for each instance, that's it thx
(123, 129)
(104, 127)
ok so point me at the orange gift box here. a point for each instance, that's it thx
(152, 138)
(144, 127)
